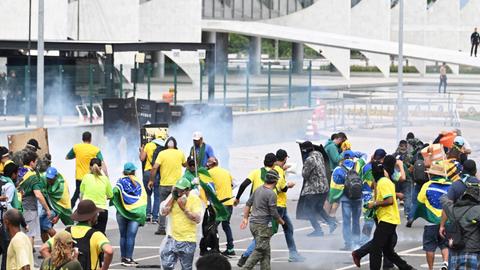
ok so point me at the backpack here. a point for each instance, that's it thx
(353, 184)
(83, 245)
(419, 175)
(210, 241)
(455, 234)
(156, 152)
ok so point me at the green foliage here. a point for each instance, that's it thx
(238, 44)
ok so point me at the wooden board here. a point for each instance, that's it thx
(149, 132)
(17, 142)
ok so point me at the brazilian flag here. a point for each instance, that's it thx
(130, 199)
(29, 180)
(58, 197)
(429, 206)
(337, 183)
(208, 192)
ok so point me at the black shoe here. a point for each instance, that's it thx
(241, 262)
(149, 219)
(409, 224)
(346, 248)
(161, 232)
(228, 252)
(127, 262)
(133, 262)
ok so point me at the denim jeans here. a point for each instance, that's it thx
(287, 230)
(227, 229)
(367, 230)
(177, 251)
(163, 193)
(156, 195)
(413, 208)
(128, 232)
(406, 189)
(351, 212)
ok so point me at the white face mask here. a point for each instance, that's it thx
(171, 144)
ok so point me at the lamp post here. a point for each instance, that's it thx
(40, 64)
(400, 73)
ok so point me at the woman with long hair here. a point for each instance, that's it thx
(130, 200)
(96, 187)
(63, 255)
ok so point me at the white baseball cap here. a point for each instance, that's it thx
(197, 135)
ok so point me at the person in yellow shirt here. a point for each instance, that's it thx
(83, 153)
(388, 217)
(20, 250)
(147, 156)
(90, 242)
(223, 182)
(282, 188)
(185, 213)
(170, 162)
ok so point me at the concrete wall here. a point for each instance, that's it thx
(269, 127)
(14, 19)
(170, 21)
(469, 19)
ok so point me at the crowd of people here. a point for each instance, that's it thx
(178, 192)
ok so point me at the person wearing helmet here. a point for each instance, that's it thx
(184, 209)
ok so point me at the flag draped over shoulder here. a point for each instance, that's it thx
(58, 197)
(429, 206)
(130, 199)
(28, 180)
(208, 192)
(337, 183)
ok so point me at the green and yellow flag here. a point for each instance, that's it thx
(208, 192)
(58, 197)
(130, 199)
(429, 206)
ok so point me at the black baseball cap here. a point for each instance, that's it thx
(3, 151)
(281, 154)
(34, 143)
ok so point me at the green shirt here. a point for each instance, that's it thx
(71, 265)
(96, 188)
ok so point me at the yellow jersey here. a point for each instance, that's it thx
(171, 165)
(281, 184)
(83, 153)
(149, 149)
(184, 229)
(389, 214)
(222, 180)
(255, 177)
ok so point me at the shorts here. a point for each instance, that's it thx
(464, 260)
(33, 222)
(46, 223)
(432, 239)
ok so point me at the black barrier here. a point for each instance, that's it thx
(163, 114)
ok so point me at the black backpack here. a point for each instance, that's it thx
(210, 241)
(353, 184)
(83, 245)
(156, 152)
(419, 175)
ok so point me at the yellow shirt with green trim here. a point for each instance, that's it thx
(256, 179)
(281, 184)
(389, 214)
(170, 161)
(96, 188)
(222, 180)
(83, 153)
(149, 149)
(97, 242)
(184, 229)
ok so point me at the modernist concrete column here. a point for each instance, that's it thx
(221, 51)
(160, 65)
(297, 57)
(255, 55)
